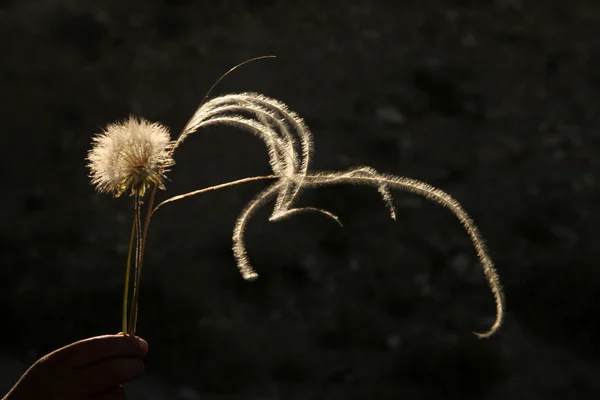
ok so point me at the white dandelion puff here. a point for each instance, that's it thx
(131, 155)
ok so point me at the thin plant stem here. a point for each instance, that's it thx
(147, 223)
(142, 235)
(138, 230)
(216, 187)
(142, 248)
(127, 274)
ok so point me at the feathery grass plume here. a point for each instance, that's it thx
(278, 127)
(126, 158)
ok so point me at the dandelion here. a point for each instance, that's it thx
(136, 154)
(131, 155)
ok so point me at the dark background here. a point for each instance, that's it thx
(495, 102)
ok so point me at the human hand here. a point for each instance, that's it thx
(94, 368)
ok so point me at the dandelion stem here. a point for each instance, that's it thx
(138, 230)
(143, 237)
(127, 274)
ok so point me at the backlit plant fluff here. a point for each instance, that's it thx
(134, 155)
(131, 155)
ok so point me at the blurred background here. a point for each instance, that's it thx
(495, 102)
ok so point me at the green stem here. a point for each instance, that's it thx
(127, 274)
(142, 236)
(134, 298)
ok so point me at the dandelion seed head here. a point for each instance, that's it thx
(130, 156)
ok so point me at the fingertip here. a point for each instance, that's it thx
(143, 345)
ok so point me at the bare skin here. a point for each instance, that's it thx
(91, 369)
